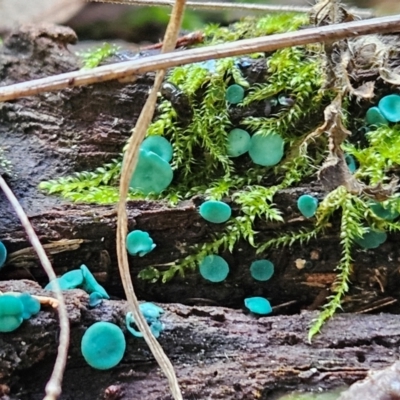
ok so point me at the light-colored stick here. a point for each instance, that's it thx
(53, 387)
(164, 61)
(217, 6)
(128, 166)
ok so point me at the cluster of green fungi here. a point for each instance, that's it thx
(202, 163)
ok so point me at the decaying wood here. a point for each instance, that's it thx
(217, 352)
(54, 134)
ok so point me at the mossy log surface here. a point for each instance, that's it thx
(218, 352)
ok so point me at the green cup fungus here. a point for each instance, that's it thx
(139, 243)
(375, 117)
(238, 142)
(151, 313)
(258, 305)
(214, 268)
(371, 239)
(351, 163)
(215, 211)
(262, 270)
(307, 205)
(3, 254)
(152, 174)
(384, 212)
(234, 94)
(266, 150)
(30, 304)
(11, 312)
(389, 106)
(90, 285)
(158, 145)
(103, 345)
(81, 278)
(70, 280)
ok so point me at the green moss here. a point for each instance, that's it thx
(203, 165)
(92, 58)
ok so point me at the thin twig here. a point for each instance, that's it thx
(53, 387)
(163, 61)
(217, 6)
(128, 166)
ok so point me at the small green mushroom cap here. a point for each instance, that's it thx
(307, 205)
(238, 142)
(30, 304)
(152, 174)
(139, 243)
(389, 106)
(375, 117)
(90, 284)
(214, 211)
(262, 270)
(234, 94)
(371, 239)
(158, 145)
(214, 268)
(3, 254)
(258, 305)
(384, 212)
(266, 150)
(351, 162)
(103, 345)
(70, 280)
(11, 312)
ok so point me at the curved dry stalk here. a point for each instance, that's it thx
(53, 387)
(163, 61)
(128, 166)
(217, 6)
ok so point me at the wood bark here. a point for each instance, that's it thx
(218, 352)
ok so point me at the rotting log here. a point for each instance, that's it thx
(56, 133)
(217, 352)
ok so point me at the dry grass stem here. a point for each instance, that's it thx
(221, 6)
(128, 166)
(53, 387)
(163, 61)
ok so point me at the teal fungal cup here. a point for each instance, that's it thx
(151, 313)
(139, 243)
(70, 280)
(30, 304)
(80, 278)
(11, 312)
(152, 174)
(371, 239)
(90, 285)
(3, 254)
(258, 305)
(214, 268)
(266, 150)
(262, 270)
(238, 142)
(307, 205)
(158, 145)
(389, 106)
(351, 163)
(103, 345)
(375, 117)
(234, 94)
(215, 211)
(384, 212)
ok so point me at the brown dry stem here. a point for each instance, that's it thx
(53, 387)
